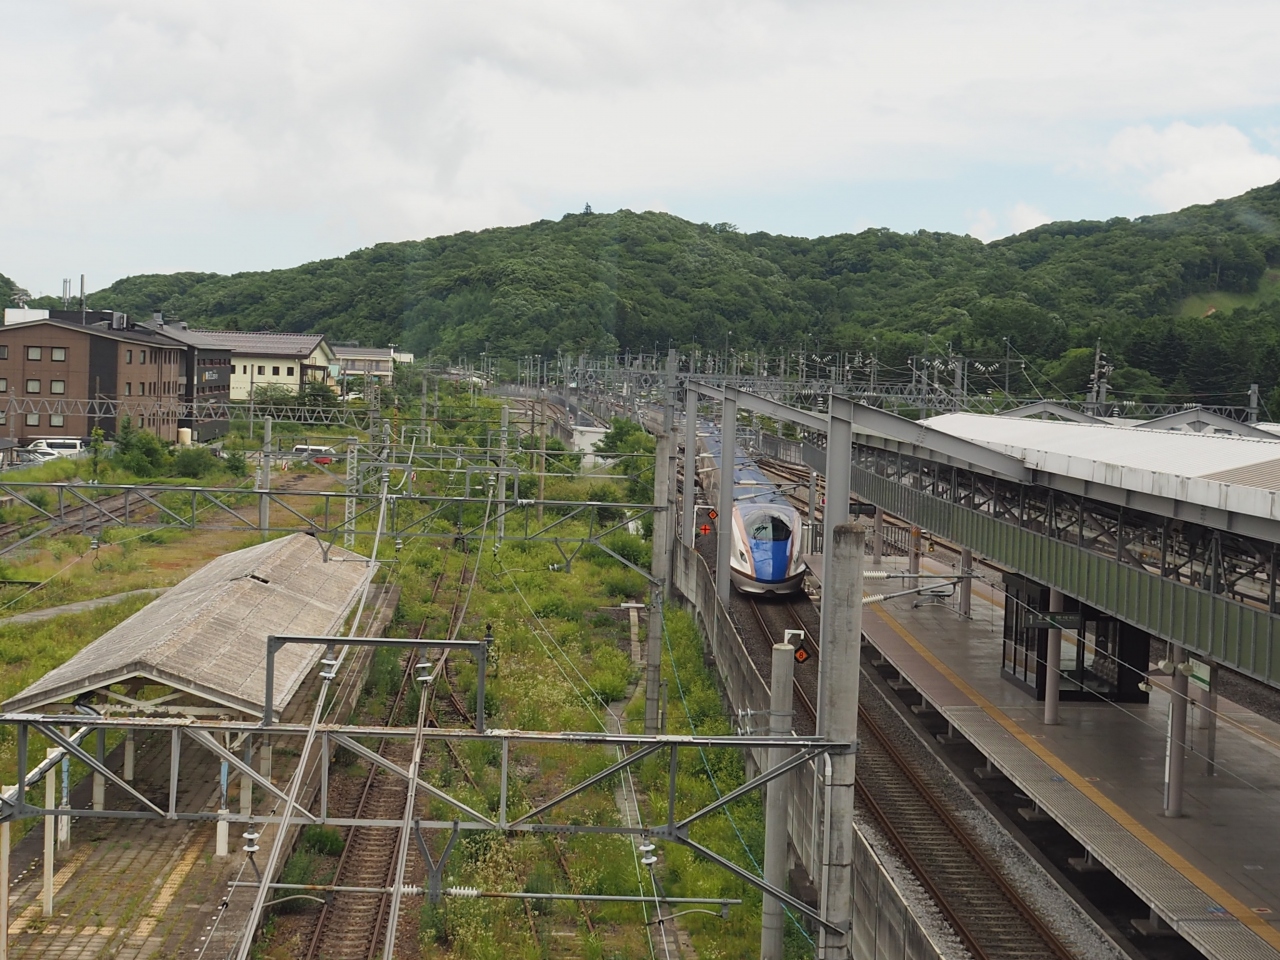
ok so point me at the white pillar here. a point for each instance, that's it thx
(877, 540)
(1053, 663)
(775, 817)
(99, 781)
(264, 758)
(4, 885)
(913, 551)
(64, 821)
(220, 847)
(1176, 737)
(246, 784)
(50, 833)
(840, 714)
(129, 744)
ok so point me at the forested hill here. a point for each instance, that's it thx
(601, 282)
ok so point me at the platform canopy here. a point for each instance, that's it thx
(206, 638)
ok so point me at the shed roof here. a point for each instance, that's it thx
(260, 344)
(207, 635)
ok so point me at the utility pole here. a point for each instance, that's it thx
(502, 476)
(264, 480)
(772, 917)
(542, 445)
(838, 707)
(1254, 403)
(660, 569)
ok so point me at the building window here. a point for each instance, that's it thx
(33, 386)
(58, 353)
(33, 353)
(57, 386)
(4, 418)
(289, 371)
(244, 370)
(33, 419)
(275, 371)
(128, 356)
(57, 420)
(128, 389)
(261, 370)
(4, 352)
(4, 384)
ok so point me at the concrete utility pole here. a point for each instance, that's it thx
(264, 480)
(724, 525)
(877, 540)
(838, 706)
(1176, 740)
(687, 532)
(542, 447)
(660, 569)
(772, 917)
(668, 464)
(502, 477)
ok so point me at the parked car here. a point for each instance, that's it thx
(60, 446)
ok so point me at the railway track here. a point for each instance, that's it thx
(350, 926)
(986, 911)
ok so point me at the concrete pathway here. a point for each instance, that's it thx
(79, 606)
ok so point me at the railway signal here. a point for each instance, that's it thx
(712, 514)
(705, 529)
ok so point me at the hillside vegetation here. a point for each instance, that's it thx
(600, 282)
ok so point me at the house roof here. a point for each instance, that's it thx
(360, 353)
(207, 635)
(134, 334)
(296, 345)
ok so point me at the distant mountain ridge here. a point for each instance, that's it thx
(624, 280)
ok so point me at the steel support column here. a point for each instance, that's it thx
(966, 583)
(1176, 738)
(1053, 662)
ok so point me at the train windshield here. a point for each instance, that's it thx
(766, 527)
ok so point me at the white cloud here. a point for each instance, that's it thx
(1024, 216)
(1184, 164)
(984, 226)
(318, 126)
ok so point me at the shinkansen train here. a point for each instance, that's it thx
(765, 554)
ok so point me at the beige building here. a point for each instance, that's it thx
(287, 360)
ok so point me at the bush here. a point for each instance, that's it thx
(194, 462)
(326, 841)
(236, 464)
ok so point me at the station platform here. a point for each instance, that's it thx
(1213, 874)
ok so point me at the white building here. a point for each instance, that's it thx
(287, 360)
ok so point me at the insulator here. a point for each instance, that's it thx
(470, 893)
(875, 574)
(872, 598)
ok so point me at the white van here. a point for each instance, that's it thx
(60, 446)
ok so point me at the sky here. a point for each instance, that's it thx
(147, 136)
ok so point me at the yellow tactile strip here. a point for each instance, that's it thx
(1257, 924)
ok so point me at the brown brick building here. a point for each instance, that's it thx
(51, 370)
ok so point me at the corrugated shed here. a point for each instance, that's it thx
(208, 634)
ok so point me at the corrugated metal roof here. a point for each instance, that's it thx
(1178, 453)
(1239, 475)
(252, 343)
(207, 635)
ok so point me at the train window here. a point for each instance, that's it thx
(770, 528)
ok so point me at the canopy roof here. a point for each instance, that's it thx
(207, 636)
